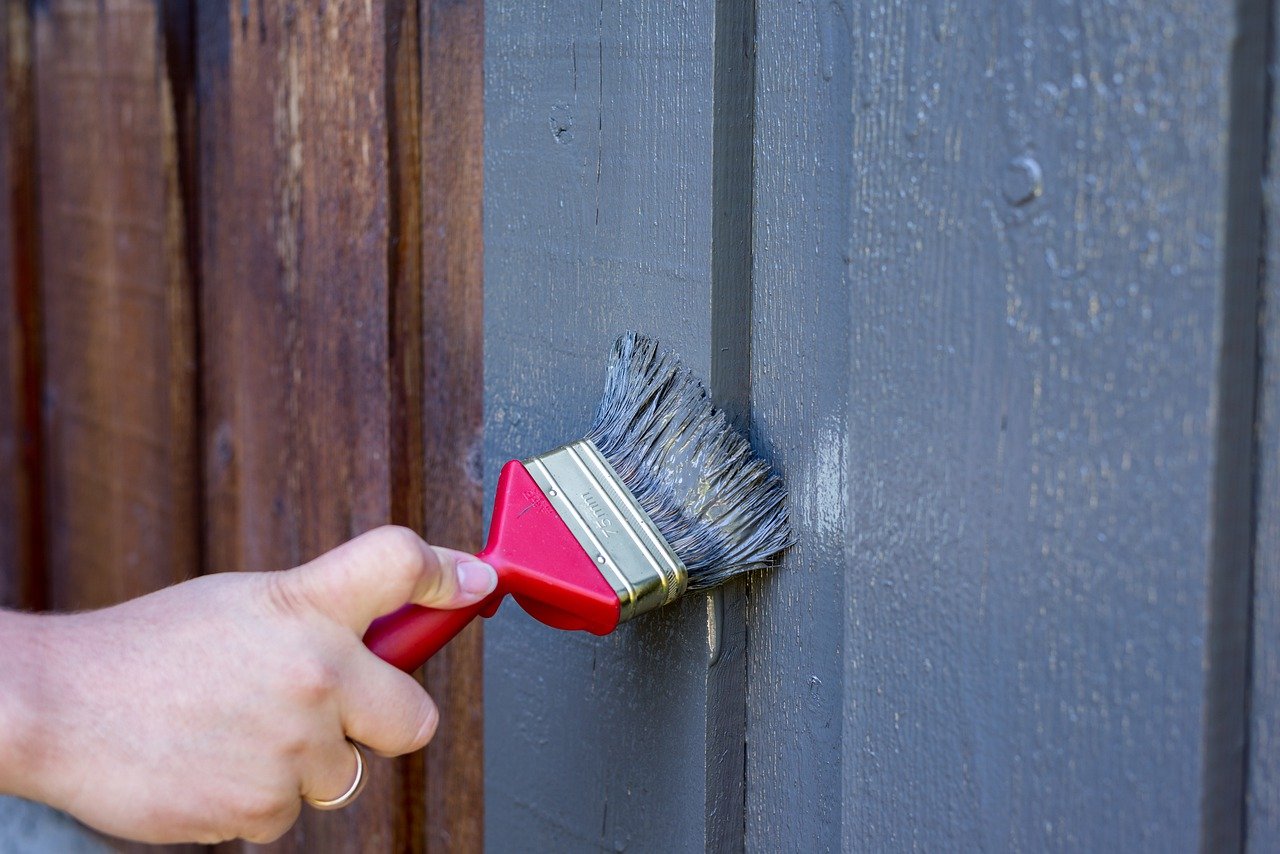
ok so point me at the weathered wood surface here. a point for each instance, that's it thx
(405, 344)
(451, 412)
(1262, 827)
(599, 201)
(13, 565)
(21, 507)
(995, 295)
(997, 332)
(117, 307)
(295, 296)
(318, 177)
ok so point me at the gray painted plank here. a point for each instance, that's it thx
(991, 270)
(598, 200)
(1262, 828)
(800, 357)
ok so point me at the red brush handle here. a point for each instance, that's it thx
(411, 635)
(539, 562)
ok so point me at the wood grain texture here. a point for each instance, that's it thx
(733, 110)
(21, 502)
(117, 307)
(800, 353)
(451, 410)
(1262, 825)
(598, 198)
(403, 97)
(118, 318)
(993, 303)
(1232, 511)
(13, 564)
(296, 333)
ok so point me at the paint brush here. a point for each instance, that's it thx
(663, 496)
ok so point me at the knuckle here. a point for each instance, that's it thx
(314, 681)
(294, 748)
(283, 594)
(400, 551)
(440, 584)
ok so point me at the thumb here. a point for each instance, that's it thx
(377, 572)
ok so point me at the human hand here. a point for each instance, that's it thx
(204, 711)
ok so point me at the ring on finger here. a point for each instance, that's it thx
(352, 792)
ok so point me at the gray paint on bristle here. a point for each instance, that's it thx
(720, 507)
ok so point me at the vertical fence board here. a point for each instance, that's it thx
(994, 307)
(21, 508)
(1262, 826)
(598, 200)
(406, 347)
(117, 307)
(295, 236)
(452, 405)
(13, 565)
(733, 109)
(800, 358)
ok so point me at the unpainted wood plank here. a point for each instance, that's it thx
(295, 297)
(117, 307)
(12, 476)
(21, 504)
(451, 406)
(991, 267)
(598, 219)
(404, 283)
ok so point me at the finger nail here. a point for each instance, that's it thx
(476, 577)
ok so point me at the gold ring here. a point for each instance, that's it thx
(352, 792)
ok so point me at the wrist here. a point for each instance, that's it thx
(24, 746)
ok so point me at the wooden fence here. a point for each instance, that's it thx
(240, 314)
(995, 286)
(988, 280)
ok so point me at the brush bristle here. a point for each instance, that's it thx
(721, 508)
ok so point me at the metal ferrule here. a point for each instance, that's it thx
(611, 526)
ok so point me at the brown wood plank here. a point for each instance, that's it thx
(117, 307)
(452, 38)
(404, 212)
(21, 508)
(296, 337)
